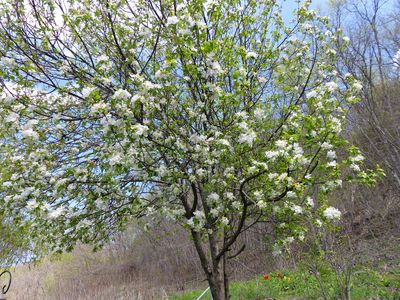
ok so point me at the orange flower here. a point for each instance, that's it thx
(266, 277)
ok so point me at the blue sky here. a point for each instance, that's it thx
(290, 5)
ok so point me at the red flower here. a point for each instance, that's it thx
(266, 277)
(278, 275)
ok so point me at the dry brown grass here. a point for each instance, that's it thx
(150, 266)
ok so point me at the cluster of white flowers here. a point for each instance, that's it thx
(115, 159)
(307, 28)
(32, 204)
(291, 194)
(247, 136)
(332, 213)
(122, 94)
(271, 154)
(12, 117)
(215, 69)
(355, 161)
(336, 124)
(140, 129)
(251, 54)
(326, 146)
(331, 86)
(357, 85)
(332, 163)
(296, 209)
(312, 94)
(53, 214)
(172, 20)
(331, 154)
(98, 107)
(8, 62)
(87, 91)
(262, 79)
(213, 197)
(197, 221)
(28, 132)
(224, 221)
(281, 144)
(208, 4)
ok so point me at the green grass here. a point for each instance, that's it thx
(366, 284)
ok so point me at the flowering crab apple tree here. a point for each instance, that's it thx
(214, 114)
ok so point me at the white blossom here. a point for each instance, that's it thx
(198, 214)
(336, 125)
(357, 158)
(272, 176)
(332, 213)
(236, 205)
(87, 91)
(331, 154)
(296, 209)
(115, 159)
(331, 86)
(53, 214)
(271, 154)
(262, 79)
(12, 118)
(98, 106)
(247, 138)
(224, 221)
(261, 204)
(230, 195)
(223, 142)
(291, 194)
(172, 20)
(289, 240)
(311, 94)
(30, 133)
(103, 58)
(32, 204)
(251, 55)
(140, 129)
(310, 201)
(213, 197)
(281, 144)
(9, 62)
(332, 163)
(357, 85)
(122, 94)
(326, 146)
(216, 67)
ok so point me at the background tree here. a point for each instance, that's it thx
(214, 114)
(372, 57)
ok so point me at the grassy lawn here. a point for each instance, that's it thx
(366, 284)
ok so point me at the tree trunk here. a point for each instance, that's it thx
(213, 268)
(218, 283)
